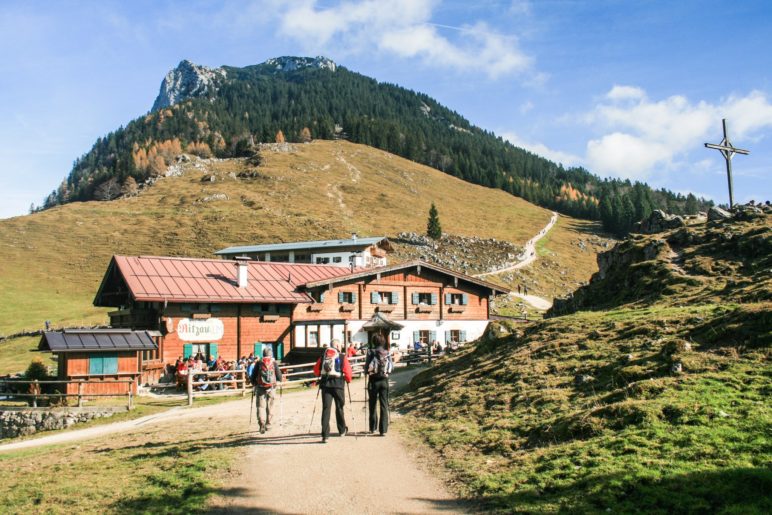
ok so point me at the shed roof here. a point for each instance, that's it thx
(96, 340)
(175, 279)
(303, 245)
(380, 321)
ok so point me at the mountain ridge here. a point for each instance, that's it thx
(224, 111)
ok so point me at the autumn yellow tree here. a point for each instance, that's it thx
(280, 137)
(305, 135)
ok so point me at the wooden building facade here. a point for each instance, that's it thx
(233, 308)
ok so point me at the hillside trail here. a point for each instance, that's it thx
(527, 257)
(358, 473)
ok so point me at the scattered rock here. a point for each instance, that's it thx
(581, 379)
(716, 214)
(676, 368)
(215, 197)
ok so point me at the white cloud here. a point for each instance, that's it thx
(644, 135)
(566, 158)
(625, 93)
(403, 28)
(526, 107)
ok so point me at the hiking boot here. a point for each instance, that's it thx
(343, 433)
(262, 430)
(268, 427)
(324, 439)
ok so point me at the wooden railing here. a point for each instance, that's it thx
(36, 393)
(293, 375)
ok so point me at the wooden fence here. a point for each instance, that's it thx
(293, 375)
(35, 393)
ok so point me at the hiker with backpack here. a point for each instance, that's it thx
(378, 365)
(334, 371)
(265, 375)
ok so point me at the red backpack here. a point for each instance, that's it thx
(266, 376)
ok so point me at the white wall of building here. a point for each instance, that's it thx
(474, 329)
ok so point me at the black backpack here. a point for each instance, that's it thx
(379, 364)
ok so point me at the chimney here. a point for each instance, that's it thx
(354, 236)
(242, 276)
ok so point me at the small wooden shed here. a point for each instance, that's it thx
(100, 356)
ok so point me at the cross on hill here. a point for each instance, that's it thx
(728, 151)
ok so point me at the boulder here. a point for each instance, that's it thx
(659, 221)
(748, 212)
(716, 214)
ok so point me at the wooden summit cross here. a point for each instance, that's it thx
(728, 151)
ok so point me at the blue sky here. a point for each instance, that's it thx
(625, 88)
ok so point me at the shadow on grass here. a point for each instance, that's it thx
(733, 490)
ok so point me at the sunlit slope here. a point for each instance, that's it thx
(51, 262)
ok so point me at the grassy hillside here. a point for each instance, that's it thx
(51, 262)
(656, 407)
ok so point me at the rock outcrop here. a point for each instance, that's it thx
(187, 80)
(659, 221)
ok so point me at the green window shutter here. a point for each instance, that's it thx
(374, 298)
(340, 297)
(462, 336)
(279, 351)
(464, 299)
(432, 336)
(447, 336)
(258, 350)
(395, 298)
(110, 364)
(321, 297)
(187, 350)
(448, 300)
(213, 350)
(415, 299)
(353, 298)
(416, 336)
(434, 299)
(95, 365)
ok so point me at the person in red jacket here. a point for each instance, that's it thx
(334, 370)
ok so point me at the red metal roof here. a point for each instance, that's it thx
(174, 279)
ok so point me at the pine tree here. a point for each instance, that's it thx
(433, 227)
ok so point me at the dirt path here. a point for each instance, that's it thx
(288, 470)
(527, 257)
(337, 477)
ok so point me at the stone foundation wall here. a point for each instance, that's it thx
(20, 422)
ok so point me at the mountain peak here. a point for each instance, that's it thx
(185, 81)
(292, 63)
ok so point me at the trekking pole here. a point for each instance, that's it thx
(351, 409)
(251, 405)
(281, 406)
(313, 414)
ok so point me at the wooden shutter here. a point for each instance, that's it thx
(447, 337)
(415, 299)
(110, 364)
(95, 365)
(462, 336)
(353, 298)
(321, 297)
(395, 297)
(187, 350)
(464, 299)
(340, 297)
(416, 336)
(258, 350)
(434, 299)
(375, 298)
(432, 337)
(213, 350)
(448, 299)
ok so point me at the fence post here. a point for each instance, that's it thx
(131, 404)
(190, 387)
(429, 353)
(243, 382)
(80, 394)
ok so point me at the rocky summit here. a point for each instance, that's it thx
(187, 80)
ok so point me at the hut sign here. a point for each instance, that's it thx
(210, 329)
